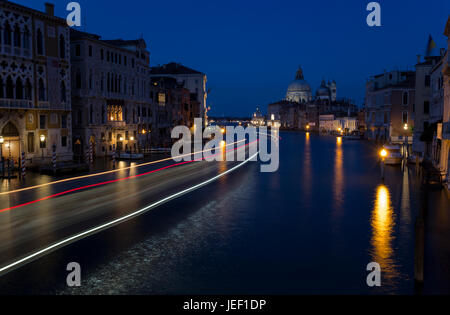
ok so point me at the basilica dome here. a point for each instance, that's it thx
(323, 91)
(299, 90)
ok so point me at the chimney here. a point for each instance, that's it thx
(50, 9)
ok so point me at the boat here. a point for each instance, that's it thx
(353, 137)
(394, 155)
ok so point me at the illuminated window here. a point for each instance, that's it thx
(115, 113)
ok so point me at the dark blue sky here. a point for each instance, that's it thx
(250, 50)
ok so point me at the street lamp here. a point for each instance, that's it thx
(42, 138)
(383, 155)
(131, 147)
(405, 150)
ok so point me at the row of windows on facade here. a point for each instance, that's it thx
(110, 56)
(386, 117)
(115, 84)
(20, 90)
(53, 121)
(119, 136)
(19, 39)
(114, 113)
(31, 140)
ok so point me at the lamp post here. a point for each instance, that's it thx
(383, 154)
(144, 132)
(405, 151)
(131, 147)
(120, 148)
(42, 138)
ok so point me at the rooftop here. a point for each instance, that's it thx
(173, 68)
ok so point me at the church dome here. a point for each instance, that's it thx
(299, 86)
(299, 90)
(323, 90)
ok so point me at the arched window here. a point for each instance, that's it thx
(10, 130)
(19, 89)
(17, 36)
(26, 39)
(9, 88)
(1, 89)
(63, 92)
(28, 90)
(41, 90)
(405, 98)
(7, 34)
(62, 47)
(91, 114)
(40, 42)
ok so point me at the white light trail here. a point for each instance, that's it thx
(110, 224)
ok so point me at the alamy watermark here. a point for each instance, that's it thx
(227, 144)
(374, 277)
(74, 277)
(74, 17)
(374, 17)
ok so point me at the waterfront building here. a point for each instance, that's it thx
(174, 106)
(330, 124)
(423, 118)
(111, 93)
(390, 99)
(361, 120)
(35, 104)
(327, 124)
(445, 127)
(191, 79)
(436, 111)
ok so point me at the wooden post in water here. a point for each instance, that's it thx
(419, 238)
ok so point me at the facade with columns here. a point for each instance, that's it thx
(35, 84)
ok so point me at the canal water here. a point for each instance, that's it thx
(310, 228)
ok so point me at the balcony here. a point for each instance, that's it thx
(446, 130)
(43, 105)
(15, 104)
(117, 124)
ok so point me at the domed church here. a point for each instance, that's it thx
(299, 91)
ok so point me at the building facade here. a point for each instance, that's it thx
(111, 94)
(35, 83)
(174, 106)
(390, 102)
(190, 79)
(423, 119)
(445, 128)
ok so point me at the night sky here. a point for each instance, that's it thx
(250, 50)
